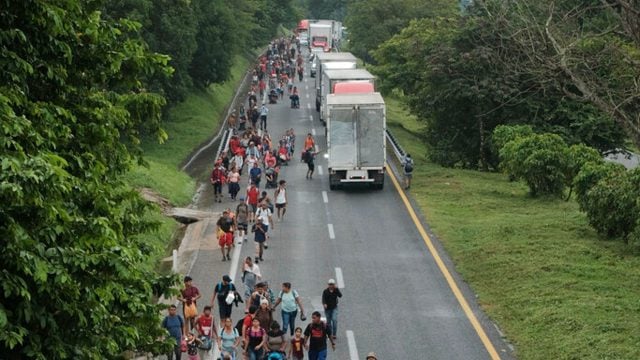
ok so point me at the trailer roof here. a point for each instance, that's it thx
(337, 56)
(355, 99)
(353, 87)
(355, 74)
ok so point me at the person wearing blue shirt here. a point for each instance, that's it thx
(255, 174)
(175, 326)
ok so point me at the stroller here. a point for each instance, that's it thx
(275, 355)
(271, 175)
(295, 101)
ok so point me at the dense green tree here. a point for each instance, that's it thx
(72, 98)
(372, 22)
(458, 75)
(217, 41)
(328, 9)
(172, 30)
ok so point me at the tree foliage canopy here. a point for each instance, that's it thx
(498, 64)
(80, 83)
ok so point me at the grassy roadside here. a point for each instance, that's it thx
(201, 110)
(554, 287)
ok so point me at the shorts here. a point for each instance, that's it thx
(254, 207)
(225, 239)
(281, 206)
(311, 166)
(243, 226)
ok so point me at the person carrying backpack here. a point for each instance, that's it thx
(174, 324)
(407, 166)
(316, 334)
(223, 292)
(229, 339)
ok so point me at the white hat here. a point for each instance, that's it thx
(332, 282)
(264, 301)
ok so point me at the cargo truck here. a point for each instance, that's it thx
(332, 77)
(356, 125)
(303, 32)
(321, 34)
(341, 60)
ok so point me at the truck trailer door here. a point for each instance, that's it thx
(370, 127)
(342, 138)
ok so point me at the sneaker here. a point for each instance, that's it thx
(228, 257)
(224, 258)
(261, 259)
(256, 260)
(265, 246)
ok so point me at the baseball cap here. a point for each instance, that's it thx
(226, 278)
(371, 356)
(331, 282)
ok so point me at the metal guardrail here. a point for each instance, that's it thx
(397, 150)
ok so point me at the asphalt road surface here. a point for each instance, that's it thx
(396, 300)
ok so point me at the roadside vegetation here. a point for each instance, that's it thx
(514, 105)
(86, 89)
(554, 286)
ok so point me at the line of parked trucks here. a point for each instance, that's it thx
(353, 113)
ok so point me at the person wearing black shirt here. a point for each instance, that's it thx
(317, 334)
(330, 297)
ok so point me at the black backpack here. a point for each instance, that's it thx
(408, 166)
(240, 326)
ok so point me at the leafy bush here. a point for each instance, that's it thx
(540, 160)
(612, 205)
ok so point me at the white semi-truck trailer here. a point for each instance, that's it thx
(332, 77)
(356, 145)
(340, 60)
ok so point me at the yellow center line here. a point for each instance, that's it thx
(443, 268)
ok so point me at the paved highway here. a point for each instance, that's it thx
(397, 302)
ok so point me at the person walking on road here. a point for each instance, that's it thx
(188, 297)
(290, 303)
(224, 229)
(222, 292)
(296, 350)
(250, 276)
(260, 236)
(264, 212)
(309, 157)
(233, 180)
(264, 110)
(205, 324)
(316, 334)
(252, 200)
(330, 297)
(255, 174)
(228, 339)
(241, 221)
(280, 195)
(217, 180)
(264, 313)
(255, 340)
(309, 142)
(174, 324)
(407, 166)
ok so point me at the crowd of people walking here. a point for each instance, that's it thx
(253, 156)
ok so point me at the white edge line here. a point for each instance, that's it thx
(313, 131)
(339, 278)
(309, 106)
(325, 197)
(353, 350)
(233, 271)
(332, 234)
(319, 169)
